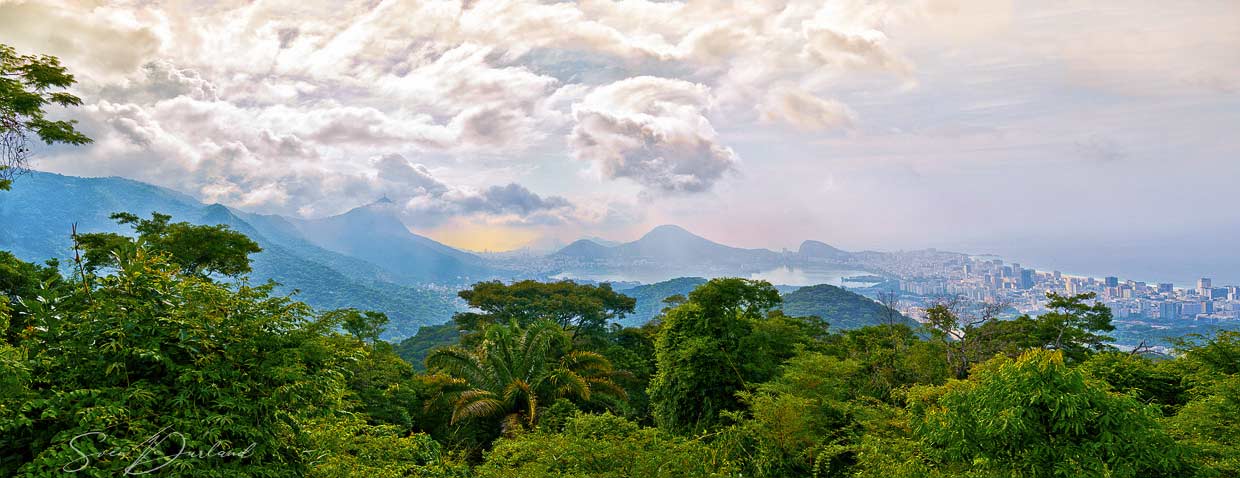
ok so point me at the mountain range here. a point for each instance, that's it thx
(366, 257)
(325, 261)
(667, 244)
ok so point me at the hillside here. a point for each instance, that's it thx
(650, 298)
(839, 307)
(36, 217)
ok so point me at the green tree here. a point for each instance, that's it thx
(959, 331)
(366, 326)
(701, 364)
(515, 371)
(1073, 326)
(603, 446)
(802, 423)
(429, 337)
(1036, 417)
(891, 357)
(28, 85)
(580, 308)
(1208, 422)
(346, 447)
(198, 250)
(150, 352)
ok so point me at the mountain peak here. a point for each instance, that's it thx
(669, 231)
(821, 250)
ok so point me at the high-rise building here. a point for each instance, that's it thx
(1169, 310)
(1165, 288)
(1112, 281)
(1026, 278)
(1204, 286)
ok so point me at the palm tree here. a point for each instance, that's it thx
(514, 370)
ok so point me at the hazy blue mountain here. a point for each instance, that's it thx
(374, 233)
(650, 297)
(587, 250)
(603, 242)
(668, 244)
(816, 251)
(840, 308)
(36, 216)
(674, 244)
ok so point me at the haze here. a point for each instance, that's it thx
(1091, 137)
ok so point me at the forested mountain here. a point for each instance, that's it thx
(650, 297)
(840, 308)
(36, 217)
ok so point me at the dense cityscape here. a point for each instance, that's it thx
(991, 280)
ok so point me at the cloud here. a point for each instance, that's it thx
(93, 42)
(805, 111)
(653, 131)
(427, 201)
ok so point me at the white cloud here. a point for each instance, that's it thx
(653, 131)
(805, 111)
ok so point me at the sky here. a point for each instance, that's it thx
(1096, 137)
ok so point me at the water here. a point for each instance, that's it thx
(800, 276)
(781, 275)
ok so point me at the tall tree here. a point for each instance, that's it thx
(700, 361)
(28, 84)
(578, 308)
(516, 371)
(956, 328)
(1074, 325)
(198, 250)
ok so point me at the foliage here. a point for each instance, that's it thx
(1037, 417)
(1073, 326)
(1144, 379)
(1208, 421)
(891, 357)
(650, 298)
(347, 447)
(802, 423)
(701, 363)
(149, 352)
(198, 250)
(841, 308)
(28, 85)
(515, 371)
(415, 349)
(365, 325)
(581, 308)
(602, 446)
